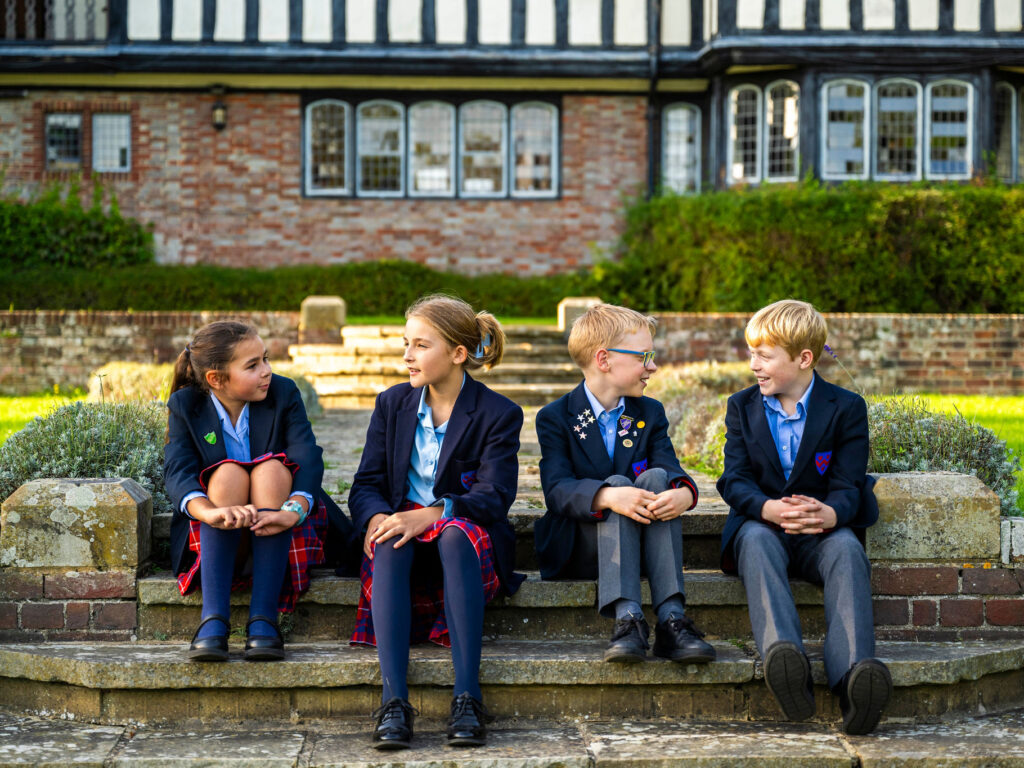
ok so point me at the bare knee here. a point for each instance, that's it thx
(272, 470)
(228, 485)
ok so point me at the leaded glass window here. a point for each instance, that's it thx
(380, 147)
(1004, 119)
(483, 125)
(782, 134)
(680, 145)
(432, 149)
(64, 142)
(534, 147)
(327, 142)
(845, 148)
(744, 135)
(111, 143)
(949, 140)
(897, 128)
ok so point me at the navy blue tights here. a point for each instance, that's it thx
(269, 563)
(391, 605)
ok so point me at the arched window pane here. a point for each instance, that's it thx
(782, 113)
(533, 142)
(1004, 118)
(896, 126)
(380, 143)
(681, 148)
(328, 146)
(948, 151)
(431, 144)
(745, 105)
(844, 127)
(483, 148)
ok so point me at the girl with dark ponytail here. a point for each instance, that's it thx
(243, 471)
(431, 499)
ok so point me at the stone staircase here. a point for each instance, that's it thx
(536, 368)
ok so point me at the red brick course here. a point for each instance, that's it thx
(961, 613)
(1005, 613)
(994, 581)
(77, 616)
(8, 615)
(19, 585)
(925, 613)
(890, 612)
(42, 615)
(909, 580)
(90, 585)
(114, 615)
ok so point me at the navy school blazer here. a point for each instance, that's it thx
(277, 424)
(831, 464)
(573, 468)
(478, 468)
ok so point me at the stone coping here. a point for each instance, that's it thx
(152, 666)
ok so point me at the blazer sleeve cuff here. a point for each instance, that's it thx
(685, 482)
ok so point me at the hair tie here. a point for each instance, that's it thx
(484, 342)
(188, 349)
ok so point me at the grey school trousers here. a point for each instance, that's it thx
(767, 555)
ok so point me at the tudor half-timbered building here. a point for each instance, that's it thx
(488, 135)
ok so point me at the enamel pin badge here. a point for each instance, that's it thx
(211, 438)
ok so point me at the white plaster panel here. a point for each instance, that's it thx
(273, 24)
(450, 21)
(495, 22)
(143, 19)
(750, 14)
(710, 18)
(540, 22)
(923, 14)
(967, 15)
(360, 21)
(230, 22)
(879, 14)
(630, 22)
(675, 22)
(317, 21)
(404, 21)
(1008, 18)
(792, 14)
(187, 21)
(584, 22)
(835, 14)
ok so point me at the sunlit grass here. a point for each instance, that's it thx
(16, 412)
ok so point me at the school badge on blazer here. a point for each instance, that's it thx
(821, 461)
(639, 468)
(468, 478)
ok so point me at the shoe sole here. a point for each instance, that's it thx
(617, 657)
(466, 742)
(263, 655)
(207, 656)
(391, 744)
(787, 676)
(868, 691)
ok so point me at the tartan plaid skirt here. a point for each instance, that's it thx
(306, 550)
(428, 619)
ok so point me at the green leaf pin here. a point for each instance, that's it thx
(210, 437)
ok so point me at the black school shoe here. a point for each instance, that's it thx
(863, 693)
(263, 647)
(466, 725)
(214, 648)
(679, 640)
(788, 675)
(629, 641)
(393, 729)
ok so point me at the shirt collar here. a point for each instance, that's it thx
(598, 409)
(424, 409)
(225, 418)
(772, 402)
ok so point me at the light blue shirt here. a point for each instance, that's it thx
(787, 431)
(607, 421)
(426, 451)
(236, 444)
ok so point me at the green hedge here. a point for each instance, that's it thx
(54, 230)
(863, 247)
(378, 288)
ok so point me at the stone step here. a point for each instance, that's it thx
(338, 392)
(638, 743)
(154, 683)
(513, 332)
(539, 610)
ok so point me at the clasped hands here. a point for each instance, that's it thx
(265, 523)
(644, 506)
(798, 514)
(407, 525)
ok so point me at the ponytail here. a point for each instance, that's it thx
(492, 345)
(480, 333)
(184, 376)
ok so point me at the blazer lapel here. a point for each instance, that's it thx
(623, 455)
(461, 417)
(762, 433)
(821, 406)
(208, 423)
(582, 425)
(405, 435)
(261, 419)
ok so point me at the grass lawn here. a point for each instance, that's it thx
(16, 412)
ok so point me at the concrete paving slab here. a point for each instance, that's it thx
(718, 745)
(50, 744)
(534, 748)
(993, 742)
(193, 748)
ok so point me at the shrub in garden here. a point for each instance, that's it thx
(90, 440)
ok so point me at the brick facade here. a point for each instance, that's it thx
(235, 197)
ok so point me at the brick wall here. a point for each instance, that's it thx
(40, 349)
(884, 353)
(235, 197)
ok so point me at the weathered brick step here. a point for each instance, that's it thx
(539, 610)
(153, 683)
